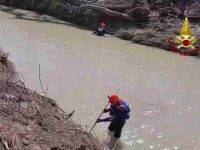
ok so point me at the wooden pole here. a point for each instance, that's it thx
(98, 118)
(101, 114)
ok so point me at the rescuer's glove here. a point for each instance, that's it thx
(99, 120)
(106, 110)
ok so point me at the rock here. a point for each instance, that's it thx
(157, 42)
(142, 35)
(125, 35)
(150, 37)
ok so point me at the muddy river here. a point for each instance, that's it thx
(80, 70)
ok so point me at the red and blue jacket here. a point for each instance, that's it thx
(120, 112)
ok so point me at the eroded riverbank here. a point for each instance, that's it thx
(80, 70)
(32, 121)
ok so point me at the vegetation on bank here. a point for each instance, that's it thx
(32, 121)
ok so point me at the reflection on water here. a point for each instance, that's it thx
(80, 70)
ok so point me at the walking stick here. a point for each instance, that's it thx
(101, 114)
(98, 118)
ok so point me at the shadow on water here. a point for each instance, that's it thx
(37, 17)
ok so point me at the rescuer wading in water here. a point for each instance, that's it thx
(119, 112)
(101, 31)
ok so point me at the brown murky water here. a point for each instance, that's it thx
(80, 70)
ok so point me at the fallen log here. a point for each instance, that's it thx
(118, 8)
(107, 12)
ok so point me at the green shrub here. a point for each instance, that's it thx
(53, 5)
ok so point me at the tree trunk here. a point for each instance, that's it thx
(107, 12)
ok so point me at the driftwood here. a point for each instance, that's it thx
(45, 92)
(108, 12)
(118, 8)
(68, 116)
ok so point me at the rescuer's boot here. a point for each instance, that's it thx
(112, 142)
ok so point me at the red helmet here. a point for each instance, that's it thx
(114, 99)
(103, 24)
